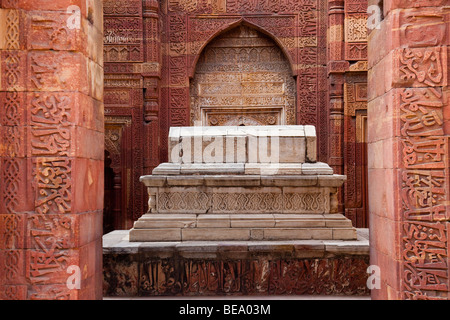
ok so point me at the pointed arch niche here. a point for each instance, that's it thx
(243, 78)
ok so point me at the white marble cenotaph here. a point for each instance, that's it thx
(242, 184)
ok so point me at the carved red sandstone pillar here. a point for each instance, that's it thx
(51, 167)
(152, 77)
(409, 115)
(336, 76)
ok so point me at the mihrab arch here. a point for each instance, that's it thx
(242, 78)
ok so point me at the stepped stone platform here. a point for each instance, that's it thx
(242, 184)
(235, 268)
(244, 211)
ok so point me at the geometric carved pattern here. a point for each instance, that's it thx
(123, 39)
(12, 138)
(191, 24)
(11, 182)
(243, 75)
(250, 202)
(12, 30)
(12, 69)
(356, 28)
(12, 237)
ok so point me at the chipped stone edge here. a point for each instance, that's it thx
(117, 242)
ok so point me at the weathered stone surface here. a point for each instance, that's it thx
(150, 221)
(273, 169)
(234, 205)
(253, 266)
(212, 168)
(252, 221)
(216, 234)
(167, 169)
(52, 158)
(415, 76)
(213, 221)
(234, 181)
(156, 235)
(255, 226)
(317, 168)
(231, 145)
(298, 233)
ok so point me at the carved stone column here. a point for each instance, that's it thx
(408, 114)
(51, 167)
(336, 69)
(151, 68)
(152, 76)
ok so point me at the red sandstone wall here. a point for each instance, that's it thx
(51, 165)
(132, 53)
(408, 150)
(347, 103)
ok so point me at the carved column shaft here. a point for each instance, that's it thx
(52, 150)
(152, 57)
(152, 82)
(336, 68)
(408, 150)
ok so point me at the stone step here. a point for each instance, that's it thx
(295, 180)
(190, 227)
(276, 169)
(240, 234)
(241, 221)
